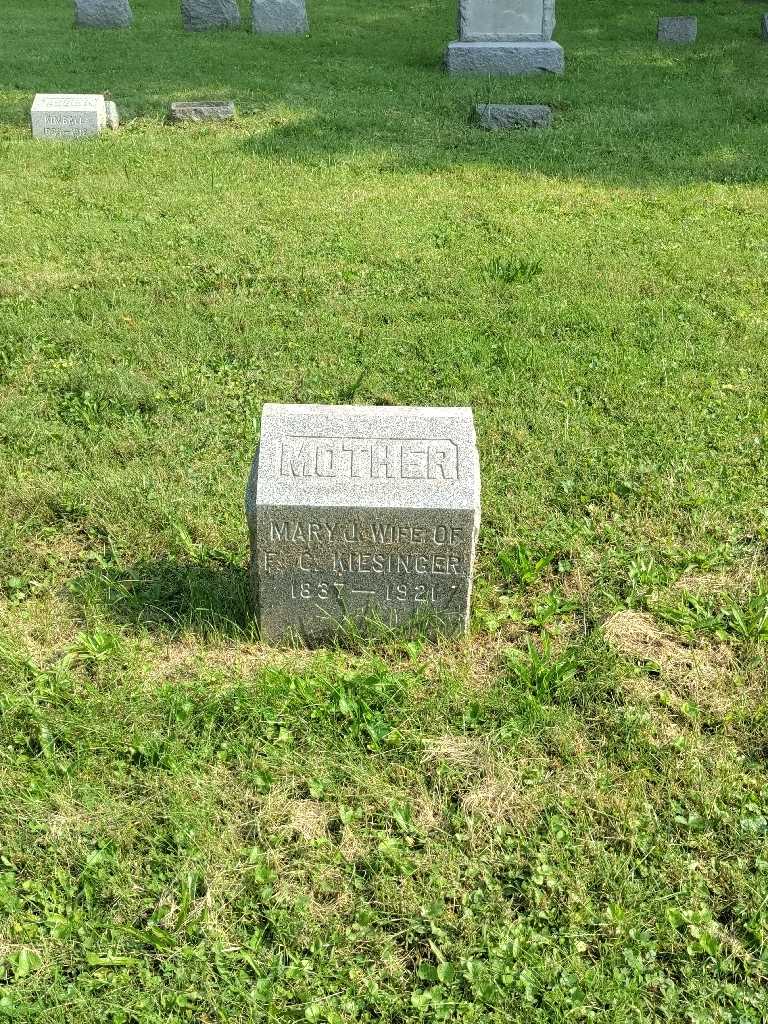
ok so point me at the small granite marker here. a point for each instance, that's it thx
(279, 17)
(677, 29)
(200, 15)
(103, 14)
(69, 115)
(360, 512)
(201, 110)
(505, 37)
(494, 116)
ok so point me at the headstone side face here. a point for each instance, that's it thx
(679, 29)
(68, 115)
(764, 27)
(360, 513)
(279, 17)
(203, 15)
(506, 20)
(103, 14)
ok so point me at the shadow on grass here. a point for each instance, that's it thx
(168, 596)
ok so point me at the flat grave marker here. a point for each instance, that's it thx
(68, 115)
(678, 29)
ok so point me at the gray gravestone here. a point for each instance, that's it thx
(200, 15)
(68, 115)
(505, 37)
(494, 116)
(764, 27)
(103, 14)
(279, 17)
(677, 29)
(201, 110)
(362, 512)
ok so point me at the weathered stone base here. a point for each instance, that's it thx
(495, 116)
(504, 58)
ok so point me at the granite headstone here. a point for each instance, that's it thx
(358, 513)
(103, 14)
(495, 116)
(197, 111)
(505, 37)
(279, 17)
(201, 15)
(679, 29)
(764, 27)
(68, 115)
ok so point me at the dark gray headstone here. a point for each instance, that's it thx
(201, 110)
(103, 14)
(279, 17)
(678, 29)
(495, 116)
(201, 15)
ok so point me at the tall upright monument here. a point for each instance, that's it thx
(505, 37)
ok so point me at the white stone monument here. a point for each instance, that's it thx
(69, 115)
(505, 37)
(359, 513)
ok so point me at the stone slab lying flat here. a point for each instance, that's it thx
(279, 17)
(103, 14)
(203, 15)
(197, 111)
(495, 116)
(359, 512)
(504, 58)
(677, 29)
(492, 21)
(68, 115)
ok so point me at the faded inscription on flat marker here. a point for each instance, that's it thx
(362, 512)
(68, 115)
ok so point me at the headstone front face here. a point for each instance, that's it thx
(68, 115)
(358, 513)
(279, 17)
(201, 110)
(677, 30)
(506, 20)
(201, 15)
(103, 14)
(505, 37)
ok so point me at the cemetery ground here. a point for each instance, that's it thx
(562, 817)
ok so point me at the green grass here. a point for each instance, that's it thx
(563, 817)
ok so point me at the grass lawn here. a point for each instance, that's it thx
(562, 817)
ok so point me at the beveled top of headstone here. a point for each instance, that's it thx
(367, 456)
(58, 101)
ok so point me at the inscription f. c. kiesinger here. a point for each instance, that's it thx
(358, 458)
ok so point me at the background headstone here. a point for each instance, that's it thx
(358, 512)
(68, 115)
(494, 116)
(201, 110)
(200, 15)
(505, 37)
(677, 29)
(764, 27)
(103, 14)
(279, 17)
